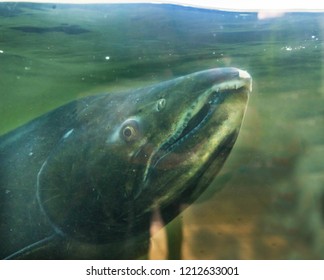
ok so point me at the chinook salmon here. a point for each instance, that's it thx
(81, 181)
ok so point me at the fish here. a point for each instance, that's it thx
(82, 181)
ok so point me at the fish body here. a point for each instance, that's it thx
(81, 181)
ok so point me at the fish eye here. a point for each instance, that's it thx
(130, 131)
(160, 104)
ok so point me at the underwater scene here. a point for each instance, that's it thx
(224, 163)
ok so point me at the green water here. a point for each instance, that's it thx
(272, 204)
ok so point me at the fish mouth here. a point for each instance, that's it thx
(200, 112)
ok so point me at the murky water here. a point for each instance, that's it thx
(272, 201)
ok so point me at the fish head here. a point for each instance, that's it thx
(177, 134)
(132, 152)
